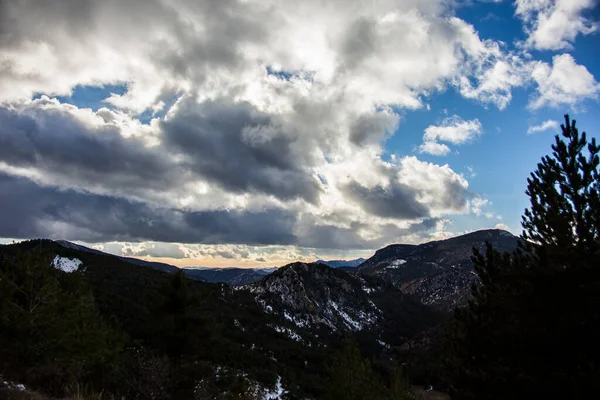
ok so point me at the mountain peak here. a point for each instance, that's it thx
(313, 295)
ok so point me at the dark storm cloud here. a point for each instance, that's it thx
(238, 148)
(57, 143)
(28, 210)
(395, 201)
(229, 144)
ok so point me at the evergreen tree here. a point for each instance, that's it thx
(352, 377)
(184, 331)
(50, 330)
(532, 325)
(183, 326)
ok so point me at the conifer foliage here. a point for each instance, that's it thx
(50, 330)
(533, 323)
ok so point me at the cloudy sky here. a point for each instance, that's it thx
(257, 132)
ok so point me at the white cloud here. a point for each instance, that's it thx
(494, 84)
(505, 227)
(554, 24)
(434, 148)
(544, 126)
(453, 130)
(477, 203)
(563, 83)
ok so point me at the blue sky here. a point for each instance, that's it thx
(273, 132)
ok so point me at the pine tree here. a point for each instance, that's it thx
(50, 329)
(564, 220)
(351, 375)
(532, 325)
(177, 310)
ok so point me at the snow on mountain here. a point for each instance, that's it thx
(277, 393)
(65, 264)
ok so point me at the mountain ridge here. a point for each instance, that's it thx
(438, 273)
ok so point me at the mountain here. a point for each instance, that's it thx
(321, 300)
(282, 328)
(230, 276)
(342, 263)
(241, 339)
(438, 273)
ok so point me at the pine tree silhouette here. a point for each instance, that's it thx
(532, 325)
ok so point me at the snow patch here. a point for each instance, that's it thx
(287, 331)
(65, 264)
(267, 308)
(238, 324)
(347, 319)
(277, 392)
(395, 264)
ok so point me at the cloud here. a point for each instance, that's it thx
(453, 130)
(370, 128)
(505, 227)
(390, 52)
(494, 84)
(563, 83)
(396, 200)
(34, 211)
(471, 173)
(434, 148)
(477, 203)
(554, 25)
(234, 145)
(544, 126)
(270, 111)
(73, 147)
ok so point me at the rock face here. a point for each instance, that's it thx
(446, 290)
(438, 273)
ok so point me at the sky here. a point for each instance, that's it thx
(261, 132)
